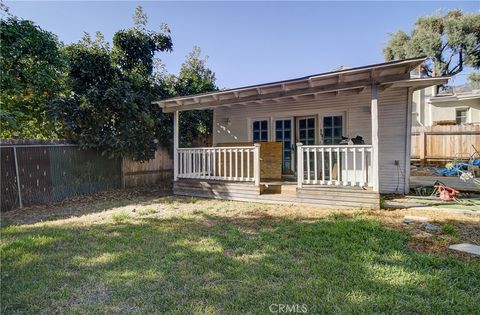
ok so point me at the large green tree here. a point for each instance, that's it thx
(194, 78)
(451, 41)
(31, 77)
(98, 94)
(112, 89)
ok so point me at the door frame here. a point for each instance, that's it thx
(293, 138)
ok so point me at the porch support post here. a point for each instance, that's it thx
(256, 164)
(299, 165)
(375, 155)
(175, 145)
(408, 141)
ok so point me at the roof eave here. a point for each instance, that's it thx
(235, 95)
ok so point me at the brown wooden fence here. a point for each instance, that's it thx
(444, 143)
(157, 171)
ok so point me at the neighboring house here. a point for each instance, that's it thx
(459, 108)
(279, 142)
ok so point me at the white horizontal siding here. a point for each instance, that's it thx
(392, 106)
(392, 115)
(357, 107)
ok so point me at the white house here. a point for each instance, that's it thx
(280, 142)
(450, 108)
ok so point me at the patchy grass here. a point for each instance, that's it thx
(147, 211)
(449, 229)
(120, 217)
(184, 255)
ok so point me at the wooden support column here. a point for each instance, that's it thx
(256, 164)
(375, 149)
(175, 145)
(300, 165)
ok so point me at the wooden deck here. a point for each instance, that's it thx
(279, 193)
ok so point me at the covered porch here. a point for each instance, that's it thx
(282, 141)
(331, 165)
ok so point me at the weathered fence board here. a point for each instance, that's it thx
(440, 143)
(157, 171)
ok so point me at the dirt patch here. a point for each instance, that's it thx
(81, 205)
(425, 170)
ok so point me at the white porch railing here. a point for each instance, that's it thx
(220, 163)
(339, 165)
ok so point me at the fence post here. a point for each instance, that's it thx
(18, 177)
(256, 164)
(122, 170)
(300, 165)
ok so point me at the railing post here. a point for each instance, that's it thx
(256, 164)
(299, 165)
(175, 145)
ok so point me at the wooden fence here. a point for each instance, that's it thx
(157, 171)
(34, 173)
(444, 143)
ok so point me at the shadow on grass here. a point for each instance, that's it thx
(85, 205)
(216, 264)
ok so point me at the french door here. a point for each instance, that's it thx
(307, 135)
(284, 133)
(332, 130)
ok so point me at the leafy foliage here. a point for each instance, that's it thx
(450, 41)
(31, 67)
(194, 78)
(474, 80)
(109, 107)
(97, 95)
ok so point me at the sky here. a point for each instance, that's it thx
(249, 42)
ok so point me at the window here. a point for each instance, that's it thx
(461, 116)
(332, 129)
(260, 131)
(306, 130)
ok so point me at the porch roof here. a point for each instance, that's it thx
(388, 74)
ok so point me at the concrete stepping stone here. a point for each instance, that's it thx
(413, 218)
(467, 248)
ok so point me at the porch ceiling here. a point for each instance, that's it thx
(386, 75)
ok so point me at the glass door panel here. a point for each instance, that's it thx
(306, 130)
(332, 134)
(284, 133)
(332, 129)
(306, 135)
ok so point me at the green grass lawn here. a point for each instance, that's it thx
(211, 257)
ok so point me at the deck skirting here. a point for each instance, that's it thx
(332, 197)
